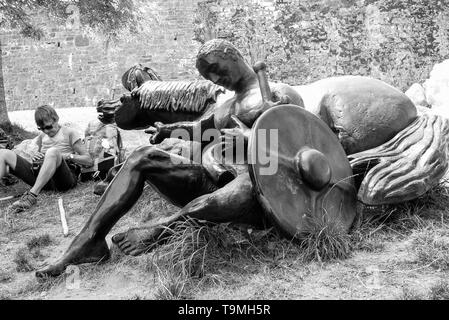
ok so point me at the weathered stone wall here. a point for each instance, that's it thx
(72, 68)
(397, 41)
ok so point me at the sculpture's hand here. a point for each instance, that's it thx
(238, 133)
(256, 112)
(284, 99)
(158, 133)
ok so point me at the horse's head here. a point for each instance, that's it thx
(135, 76)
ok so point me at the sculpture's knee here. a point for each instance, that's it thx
(143, 156)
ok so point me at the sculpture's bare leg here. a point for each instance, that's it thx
(180, 183)
(234, 202)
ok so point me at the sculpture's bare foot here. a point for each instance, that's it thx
(137, 241)
(80, 251)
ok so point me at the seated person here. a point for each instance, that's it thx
(53, 167)
(104, 145)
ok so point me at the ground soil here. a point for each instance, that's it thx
(390, 269)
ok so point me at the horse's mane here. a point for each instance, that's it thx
(188, 96)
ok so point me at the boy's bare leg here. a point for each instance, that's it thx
(52, 161)
(8, 159)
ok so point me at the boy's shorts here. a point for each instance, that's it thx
(65, 176)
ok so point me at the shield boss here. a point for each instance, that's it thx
(300, 171)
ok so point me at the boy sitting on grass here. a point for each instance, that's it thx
(54, 167)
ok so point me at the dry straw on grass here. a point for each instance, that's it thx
(431, 246)
(439, 291)
(23, 260)
(387, 223)
(195, 253)
(198, 254)
(39, 241)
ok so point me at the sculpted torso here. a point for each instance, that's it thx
(241, 104)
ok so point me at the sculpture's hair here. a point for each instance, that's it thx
(136, 75)
(406, 166)
(219, 47)
(43, 113)
(187, 96)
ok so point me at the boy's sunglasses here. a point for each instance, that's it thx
(49, 127)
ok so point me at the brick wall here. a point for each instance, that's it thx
(72, 68)
(301, 41)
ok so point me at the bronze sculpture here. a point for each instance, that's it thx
(152, 100)
(200, 189)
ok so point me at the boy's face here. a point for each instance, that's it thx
(50, 127)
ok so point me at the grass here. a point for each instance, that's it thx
(411, 294)
(225, 260)
(325, 241)
(196, 255)
(38, 242)
(439, 291)
(23, 260)
(172, 285)
(16, 132)
(6, 276)
(388, 223)
(431, 246)
(32, 286)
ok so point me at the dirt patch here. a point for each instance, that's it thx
(394, 270)
(403, 256)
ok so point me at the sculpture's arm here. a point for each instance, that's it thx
(279, 94)
(183, 129)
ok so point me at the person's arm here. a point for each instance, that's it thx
(111, 136)
(38, 157)
(162, 131)
(81, 156)
(280, 94)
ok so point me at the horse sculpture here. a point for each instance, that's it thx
(152, 100)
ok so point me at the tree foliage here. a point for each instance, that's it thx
(106, 16)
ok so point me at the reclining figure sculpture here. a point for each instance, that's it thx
(365, 120)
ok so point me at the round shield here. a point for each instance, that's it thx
(300, 171)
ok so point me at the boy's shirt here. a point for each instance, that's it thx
(64, 140)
